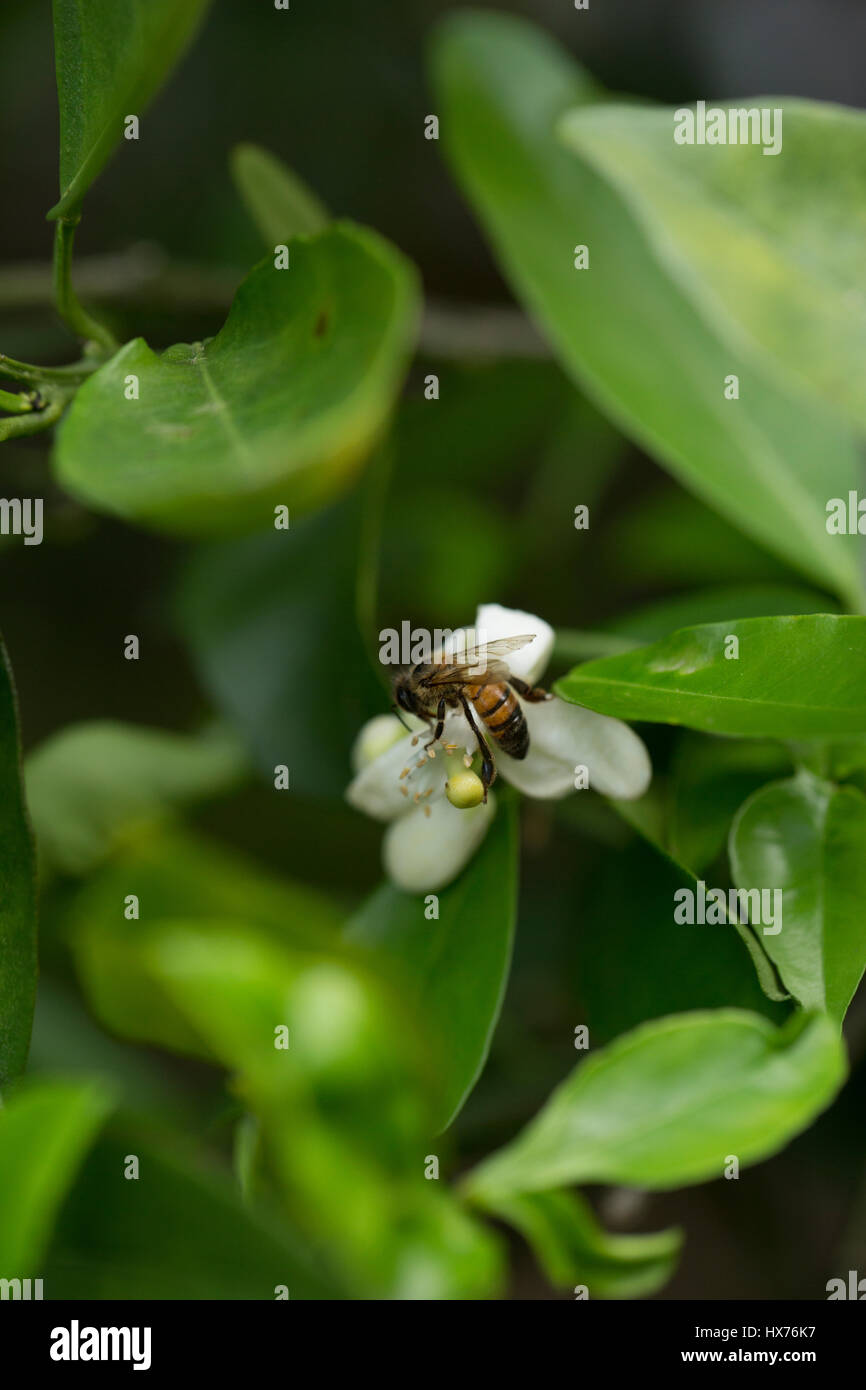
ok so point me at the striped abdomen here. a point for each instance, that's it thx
(500, 712)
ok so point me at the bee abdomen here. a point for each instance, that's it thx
(500, 711)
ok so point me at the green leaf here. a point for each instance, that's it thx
(671, 538)
(271, 621)
(800, 677)
(93, 785)
(718, 605)
(45, 1131)
(572, 1248)
(844, 757)
(279, 409)
(353, 1092)
(710, 780)
(112, 56)
(625, 329)
(649, 817)
(654, 621)
(68, 1042)
(771, 248)
(236, 983)
(667, 1104)
(17, 894)
(279, 203)
(184, 1236)
(628, 915)
(456, 967)
(171, 873)
(807, 838)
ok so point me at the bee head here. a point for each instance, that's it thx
(404, 697)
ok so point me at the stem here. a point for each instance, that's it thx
(69, 307)
(20, 404)
(35, 422)
(811, 756)
(72, 375)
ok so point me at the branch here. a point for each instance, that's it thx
(479, 333)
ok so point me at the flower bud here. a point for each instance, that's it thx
(464, 789)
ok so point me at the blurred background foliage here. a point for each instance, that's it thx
(469, 499)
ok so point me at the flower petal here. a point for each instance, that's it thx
(562, 736)
(376, 737)
(378, 789)
(494, 621)
(423, 853)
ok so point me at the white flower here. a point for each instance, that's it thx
(428, 841)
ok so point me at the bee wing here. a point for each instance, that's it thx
(479, 665)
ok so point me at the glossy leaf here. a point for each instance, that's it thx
(710, 780)
(17, 894)
(807, 838)
(185, 1236)
(772, 246)
(665, 1105)
(800, 677)
(271, 621)
(45, 1130)
(90, 786)
(455, 966)
(112, 56)
(629, 332)
(672, 967)
(718, 605)
(280, 204)
(572, 1248)
(279, 409)
(649, 817)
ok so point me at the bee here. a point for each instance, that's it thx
(481, 683)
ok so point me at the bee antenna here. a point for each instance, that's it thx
(396, 708)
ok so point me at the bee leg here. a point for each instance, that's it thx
(534, 694)
(440, 724)
(488, 766)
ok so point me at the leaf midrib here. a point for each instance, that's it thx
(223, 410)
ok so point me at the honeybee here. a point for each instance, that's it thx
(481, 683)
